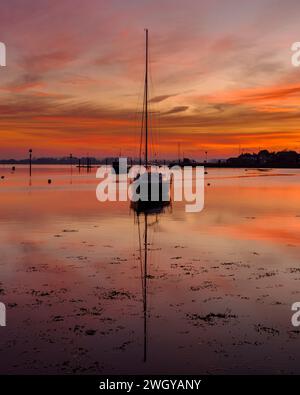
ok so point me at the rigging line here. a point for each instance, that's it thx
(150, 131)
(154, 123)
(151, 127)
(137, 113)
(154, 131)
(151, 107)
(138, 118)
(142, 129)
(149, 101)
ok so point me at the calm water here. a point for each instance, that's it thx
(216, 297)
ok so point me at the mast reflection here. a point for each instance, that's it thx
(145, 220)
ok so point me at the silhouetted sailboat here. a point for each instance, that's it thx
(152, 181)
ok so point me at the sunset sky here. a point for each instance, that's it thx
(221, 76)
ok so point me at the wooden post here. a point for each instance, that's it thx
(71, 162)
(30, 161)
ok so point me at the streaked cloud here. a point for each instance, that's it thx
(159, 99)
(176, 110)
(75, 75)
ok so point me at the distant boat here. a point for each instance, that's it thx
(185, 162)
(117, 168)
(152, 179)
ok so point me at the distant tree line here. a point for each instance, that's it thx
(266, 158)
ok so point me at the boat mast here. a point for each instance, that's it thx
(146, 102)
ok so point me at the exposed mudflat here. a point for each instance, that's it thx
(219, 283)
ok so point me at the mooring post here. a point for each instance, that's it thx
(30, 161)
(71, 163)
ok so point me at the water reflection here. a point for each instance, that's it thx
(85, 281)
(146, 217)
